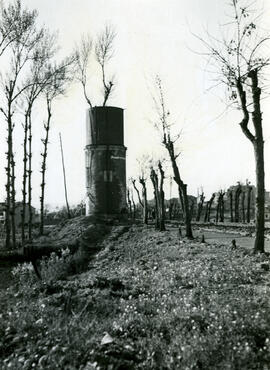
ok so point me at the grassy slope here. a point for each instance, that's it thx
(160, 302)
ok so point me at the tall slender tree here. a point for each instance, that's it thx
(161, 197)
(163, 125)
(60, 78)
(230, 195)
(158, 196)
(21, 41)
(133, 181)
(64, 176)
(142, 181)
(249, 191)
(243, 198)
(200, 206)
(220, 207)
(129, 202)
(237, 194)
(240, 58)
(36, 81)
(208, 208)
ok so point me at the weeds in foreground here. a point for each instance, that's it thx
(149, 302)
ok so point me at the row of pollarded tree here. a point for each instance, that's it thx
(239, 62)
(32, 75)
(158, 212)
(235, 205)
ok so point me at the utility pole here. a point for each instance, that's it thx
(64, 175)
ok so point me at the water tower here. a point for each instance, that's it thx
(105, 159)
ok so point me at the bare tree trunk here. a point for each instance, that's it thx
(8, 172)
(13, 201)
(137, 191)
(154, 179)
(200, 207)
(24, 182)
(238, 191)
(206, 211)
(208, 208)
(248, 202)
(30, 214)
(7, 205)
(182, 203)
(43, 166)
(218, 211)
(182, 188)
(187, 213)
(231, 205)
(162, 198)
(64, 174)
(134, 206)
(258, 146)
(129, 203)
(243, 206)
(221, 211)
(144, 201)
(220, 207)
(260, 195)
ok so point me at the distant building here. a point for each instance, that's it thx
(2, 212)
(18, 214)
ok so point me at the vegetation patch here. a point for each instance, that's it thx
(147, 301)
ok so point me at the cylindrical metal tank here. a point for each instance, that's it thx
(105, 158)
(105, 126)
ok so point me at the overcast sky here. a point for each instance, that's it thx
(153, 37)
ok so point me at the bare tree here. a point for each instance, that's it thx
(83, 52)
(143, 166)
(237, 194)
(200, 206)
(64, 175)
(241, 61)
(21, 41)
(243, 198)
(220, 207)
(134, 206)
(249, 191)
(142, 181)
(162, 197)
(36, 81)
(129, 202)
(208, 208)
(159, 221)
(131, 198)
(61, 76)
(133, 181)
(230, 194)
(104, 52)
(169, 143)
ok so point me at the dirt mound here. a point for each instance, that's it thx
(70, 230)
